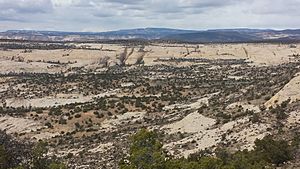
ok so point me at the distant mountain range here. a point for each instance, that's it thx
(163, 34)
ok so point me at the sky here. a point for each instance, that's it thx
(105, 15)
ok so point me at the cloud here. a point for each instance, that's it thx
(154, 7)
(16, 10)
(275, 7)
(26, 6)
(77, 15)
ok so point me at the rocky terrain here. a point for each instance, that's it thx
(86, 99)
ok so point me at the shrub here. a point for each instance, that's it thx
(276, 152)
(146, 153)
(77, 115)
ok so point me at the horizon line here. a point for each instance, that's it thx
(137, 28)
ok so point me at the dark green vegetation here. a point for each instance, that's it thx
(41, 46)
(146, 153)
(18, 155)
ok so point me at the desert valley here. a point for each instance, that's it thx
(86, 99)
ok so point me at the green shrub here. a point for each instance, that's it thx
(146, 153)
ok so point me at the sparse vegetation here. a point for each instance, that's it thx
(86, 100)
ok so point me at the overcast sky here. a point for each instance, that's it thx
(103, 15)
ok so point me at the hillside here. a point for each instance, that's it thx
(215, 36)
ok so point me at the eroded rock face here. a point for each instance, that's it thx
(192, 123)
(204, 134)
(58, 100)
(18, 125)
(25, 127)
(289, 92)
(98, 56)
